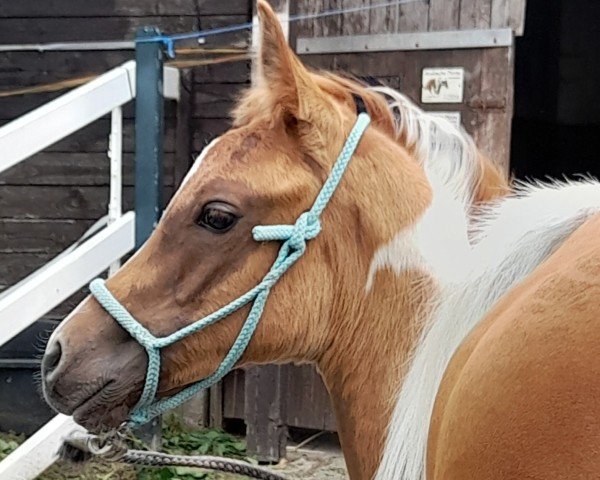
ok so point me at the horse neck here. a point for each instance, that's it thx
(363, 369)
(379, 326)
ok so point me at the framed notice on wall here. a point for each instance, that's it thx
(453, 117)
(443, 85)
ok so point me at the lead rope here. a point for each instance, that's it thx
(81, 446)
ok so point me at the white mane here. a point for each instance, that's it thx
(446, 152)
(511, 237)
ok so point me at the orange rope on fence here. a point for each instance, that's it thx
(48, 87)
(76, 81)
(203, 50)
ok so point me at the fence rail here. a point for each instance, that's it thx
(72, 111)
(39, 451)
(44, 289)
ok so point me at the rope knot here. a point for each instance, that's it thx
(306, 228)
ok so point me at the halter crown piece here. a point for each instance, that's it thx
(294, 239)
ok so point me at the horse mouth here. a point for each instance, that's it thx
(105, 408)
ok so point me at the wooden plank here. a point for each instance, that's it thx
(62, 29)
(411, 41)
(444, 14)
(307, 400)
(383, 19)
(475, 14)
(18, 105)
(215, 404)
(516, 16)
(194, 412)
(216, 100)
(234, 394)
(407, 68)
(403, 68)
(39, 236)
(127, 8)
(32, 68)
(94, 138)
(304, 28)
(75, 169)
(61, 203)
(356, 22)
(67, 114)
(35, 68)
(204, 130)
(266, 432)
(16, 266)
(13, 107)
(494, 105)
(509, 13)
(328, 26)
(413, 17)
(233, 72)
(499, 13)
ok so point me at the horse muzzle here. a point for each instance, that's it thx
(92, 369)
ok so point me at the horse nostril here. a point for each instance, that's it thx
(51, 357)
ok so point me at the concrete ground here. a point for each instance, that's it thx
(320, 459)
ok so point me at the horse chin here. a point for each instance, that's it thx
(105, 410)
(100, 409)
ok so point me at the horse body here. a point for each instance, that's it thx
(380, 299)
(513, 237)
(520, 397)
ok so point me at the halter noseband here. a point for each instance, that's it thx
(294, 239)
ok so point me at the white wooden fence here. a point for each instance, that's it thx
(46, 288)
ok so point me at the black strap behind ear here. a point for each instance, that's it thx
(360, 104)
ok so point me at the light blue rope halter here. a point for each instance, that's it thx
(294, 239)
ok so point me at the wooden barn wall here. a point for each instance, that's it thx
(48, 201)
(411, 17)
(487, 109)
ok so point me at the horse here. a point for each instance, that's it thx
(435, 86)
(383, 297)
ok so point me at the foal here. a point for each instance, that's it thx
(393, 245)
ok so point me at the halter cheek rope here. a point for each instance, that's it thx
(294, 239)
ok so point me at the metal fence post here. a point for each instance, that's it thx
(149, 131)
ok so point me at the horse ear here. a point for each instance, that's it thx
(279, 69)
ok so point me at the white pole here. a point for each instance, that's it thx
(115, 153)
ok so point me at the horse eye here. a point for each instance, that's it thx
(217, 217)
